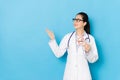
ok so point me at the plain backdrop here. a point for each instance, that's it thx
(24, 50)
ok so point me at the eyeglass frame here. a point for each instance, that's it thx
(77, 20)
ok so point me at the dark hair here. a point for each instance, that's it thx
(85, 19)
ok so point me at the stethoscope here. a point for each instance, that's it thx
(71, 36)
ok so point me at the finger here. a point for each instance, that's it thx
(83, 43)
(47, 30)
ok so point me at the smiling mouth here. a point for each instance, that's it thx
(75, 25)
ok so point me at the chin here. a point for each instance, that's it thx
(76, 27)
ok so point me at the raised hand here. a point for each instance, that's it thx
(50, 34)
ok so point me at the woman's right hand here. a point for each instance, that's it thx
(50, 34)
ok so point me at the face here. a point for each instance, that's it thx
(78, 22)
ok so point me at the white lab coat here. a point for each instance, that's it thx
(77, 60)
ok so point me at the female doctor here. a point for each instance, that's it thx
(80, 46)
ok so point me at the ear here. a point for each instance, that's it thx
(85, 23)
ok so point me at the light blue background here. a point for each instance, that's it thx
(24, 50)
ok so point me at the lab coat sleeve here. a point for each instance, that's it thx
(60, 49)
(92, 55)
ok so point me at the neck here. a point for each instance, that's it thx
(79, 32)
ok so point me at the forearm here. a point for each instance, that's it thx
(57, 50)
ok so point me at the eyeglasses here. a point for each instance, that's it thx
(77, 20)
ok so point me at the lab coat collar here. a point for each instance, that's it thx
(85, 34)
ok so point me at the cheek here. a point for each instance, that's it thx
(81, 24)
(78, 24)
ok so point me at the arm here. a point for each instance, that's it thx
(92, 54)
(60, 49)
(57, 50)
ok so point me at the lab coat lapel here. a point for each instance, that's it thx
(73, 42)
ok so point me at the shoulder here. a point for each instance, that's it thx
(91, 37)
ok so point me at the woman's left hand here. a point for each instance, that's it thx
(86, 46)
